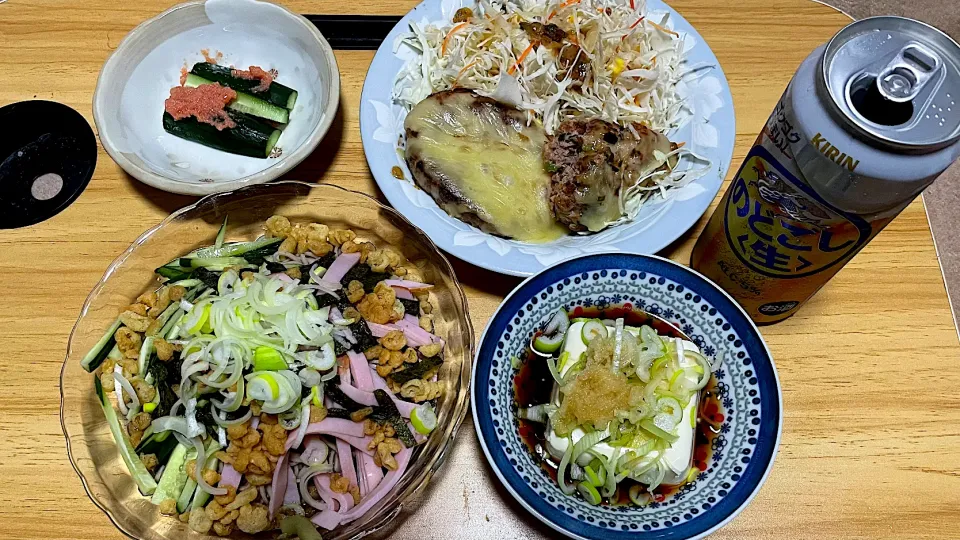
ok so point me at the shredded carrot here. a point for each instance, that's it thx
(632, 6)
(681, 144)
(516, 65)
(634, 25)
(566, 3)
(664, 30)
(463, 70)
(446, 40)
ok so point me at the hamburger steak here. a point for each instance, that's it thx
(482, 163)
(591, 162)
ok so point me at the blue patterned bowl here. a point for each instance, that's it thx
(741, 455)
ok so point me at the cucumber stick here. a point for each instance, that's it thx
(277, 94)
(141, 476)
(174, 476)
(192, 496)
(99, 352)
(246, 103)
(250, 137)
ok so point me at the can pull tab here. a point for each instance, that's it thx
(903, 78)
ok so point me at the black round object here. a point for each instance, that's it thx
(47, 155)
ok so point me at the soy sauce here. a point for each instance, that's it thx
(533, 385)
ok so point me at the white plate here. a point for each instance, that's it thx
(136, 79)
(709, 133)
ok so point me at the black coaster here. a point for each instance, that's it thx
(47, 155)
(354, 32)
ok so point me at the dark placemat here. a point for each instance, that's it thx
(354, 32)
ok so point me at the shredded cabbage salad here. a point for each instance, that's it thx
(634, 62)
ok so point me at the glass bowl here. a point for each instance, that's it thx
(91, 448)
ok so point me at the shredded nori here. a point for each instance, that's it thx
(339, 349)
(324, 299)
(327, 259)
(275, 267)
(208, 277)
(392, 415)
(165, 375)
(362, 273)
(337, 396)
(416, 371)
(338, 413)
(361, 332)
(411, 307)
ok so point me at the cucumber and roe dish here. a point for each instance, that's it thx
(280, 384)
(233, 110)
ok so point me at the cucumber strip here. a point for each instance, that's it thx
(250, 137)
(173, 273)
(187, 496)
(99, 352)
(247, 103)
(146, 350)
(159, 444)
(174, 476)
(278, 94)
(141, 476)
(222, 233)
(234, 250)
(188, 283)
(214, 263)
(115, 354)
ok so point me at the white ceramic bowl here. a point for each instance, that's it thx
(136, 79)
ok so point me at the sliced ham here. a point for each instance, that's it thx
(344, 500)
(402, 293)
(380, 330)
(278, 487)
(407, 284)
(330, 426)
(361, 371)
(347, 468)
(229, 476)
(375, 496)
(370, 474)
(361, 397)
(411, 328)
(292, 494)
(339, 268)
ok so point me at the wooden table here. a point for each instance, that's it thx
(871, 447)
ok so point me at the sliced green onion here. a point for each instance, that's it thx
(656, 431)
(537, 413)
(637, 498)
(268, 359)
(562, 471)
(589, 441)
(592, 478)
(552, 365)
(589, 493)
(592, 329)
(423, 418)
(548, 344)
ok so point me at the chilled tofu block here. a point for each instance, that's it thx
(678, 456)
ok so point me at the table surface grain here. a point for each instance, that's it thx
(869, 368)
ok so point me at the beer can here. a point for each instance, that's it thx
(869, 120)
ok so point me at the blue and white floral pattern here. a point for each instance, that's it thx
(708, 130)
(747, 385)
